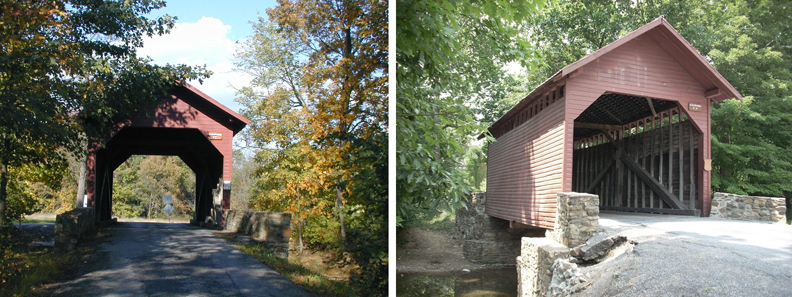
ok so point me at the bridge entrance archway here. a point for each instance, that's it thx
(188, 124)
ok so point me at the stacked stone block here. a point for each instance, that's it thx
(271, 228)
(577, 218)
(741, 207)
(72, 226)
(535, 265)
(485, 239)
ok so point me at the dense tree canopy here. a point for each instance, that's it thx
(450, 59)
(319, 116)
(69, 73)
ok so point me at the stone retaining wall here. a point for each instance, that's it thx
(488, 240)
(72, 226)
(577, 218)
(271, 228)
(733, 206)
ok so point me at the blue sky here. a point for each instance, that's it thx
(207, 33)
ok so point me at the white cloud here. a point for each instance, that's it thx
(204, 42)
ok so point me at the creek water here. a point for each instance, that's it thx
(489, 282)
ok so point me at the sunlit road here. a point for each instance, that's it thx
(155, 259)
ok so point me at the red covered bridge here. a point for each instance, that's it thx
(629, 122)
(188, 124)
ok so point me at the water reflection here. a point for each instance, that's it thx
(490, 282)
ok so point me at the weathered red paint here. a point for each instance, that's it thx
(185, 107)
(532, 158)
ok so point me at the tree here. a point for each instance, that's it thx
(242, 178)
(68, 71)
(140, 182)
(318, 105)
(450, 60)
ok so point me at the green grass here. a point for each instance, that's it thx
(29, 270)
(304, 277)
(38, 221)
(444, 220)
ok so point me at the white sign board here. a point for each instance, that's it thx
(168, 208)
(167, 199)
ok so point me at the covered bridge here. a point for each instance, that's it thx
(188, 124)
(629, 122)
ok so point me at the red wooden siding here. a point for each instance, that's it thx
(176, 113)
(524, 169)
(532, 159)
(640, 68)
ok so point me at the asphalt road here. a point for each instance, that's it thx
(693, 256)
(157, 259)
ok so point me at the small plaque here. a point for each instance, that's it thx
(167, 199)
(694, 107)
(708, 165)
(227, 185)
(215, 136)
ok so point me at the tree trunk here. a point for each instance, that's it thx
(3, 183)
(299, 231)
(339, 205)
(81, 181)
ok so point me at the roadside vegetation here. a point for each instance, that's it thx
(317, 141)
(463, 64)
(26, 268)
(311, 273)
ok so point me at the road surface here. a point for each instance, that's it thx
(693, 256)
(158, 259)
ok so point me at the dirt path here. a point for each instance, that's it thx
(431, 251)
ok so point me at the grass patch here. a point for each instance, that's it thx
(24, 269)
(312, 281)
(38, 221)
(29, 270)
(442, 221)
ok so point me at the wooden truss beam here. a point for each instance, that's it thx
(642, 174)
(653, 183)
(651, 106)
(602, 173)
(596, 126)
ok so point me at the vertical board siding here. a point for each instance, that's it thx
(524, 169)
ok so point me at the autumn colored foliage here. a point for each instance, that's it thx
(318, 110)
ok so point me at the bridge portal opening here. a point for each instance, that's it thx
(188, 124)
(638, 154)
(140, 183)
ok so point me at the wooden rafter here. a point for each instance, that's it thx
(611, 115)
(651, 106)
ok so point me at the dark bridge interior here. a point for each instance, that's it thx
(191, 145)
